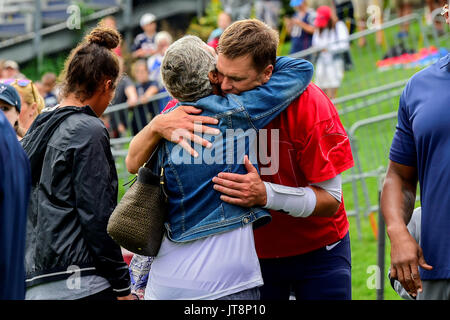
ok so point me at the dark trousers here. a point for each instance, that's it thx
(318, 275)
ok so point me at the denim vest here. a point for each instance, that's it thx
(195, 208)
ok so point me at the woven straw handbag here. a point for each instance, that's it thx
(137, 223)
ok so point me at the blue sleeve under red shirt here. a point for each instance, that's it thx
(15, 186)
(313, 147)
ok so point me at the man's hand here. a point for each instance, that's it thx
(406, 257)
(181, 124)
(245, 190)
(128, 297)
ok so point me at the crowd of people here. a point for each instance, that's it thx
(236, 229)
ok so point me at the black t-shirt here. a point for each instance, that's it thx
(120, 96)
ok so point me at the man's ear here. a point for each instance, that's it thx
(267, 73)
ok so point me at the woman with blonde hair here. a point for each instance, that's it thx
(32, 104)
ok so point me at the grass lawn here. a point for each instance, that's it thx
(364, 257)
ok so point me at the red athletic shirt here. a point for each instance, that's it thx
(170, 104)
(313, 147)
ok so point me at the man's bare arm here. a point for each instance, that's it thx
(397, 204)
(399, 194)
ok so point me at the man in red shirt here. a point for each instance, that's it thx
(309, 253)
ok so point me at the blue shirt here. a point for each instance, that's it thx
(143, 41)
(300, 39)
(50, 100)
(154, 67)
(422, 140)
(15, 184)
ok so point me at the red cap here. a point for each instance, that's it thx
(323, 16)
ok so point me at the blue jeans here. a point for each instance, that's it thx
(249, 294)
(318, 275)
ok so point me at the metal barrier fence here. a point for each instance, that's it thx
(367, 102)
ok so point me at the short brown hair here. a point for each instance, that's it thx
(250, 37)
(90, 63)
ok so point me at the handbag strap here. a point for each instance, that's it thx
(153, 156)
(150, 162)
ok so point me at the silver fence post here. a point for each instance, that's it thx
(381, 244)
(127, 16)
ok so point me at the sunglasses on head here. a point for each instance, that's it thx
(20, 82)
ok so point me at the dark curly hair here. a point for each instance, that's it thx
(91, 63)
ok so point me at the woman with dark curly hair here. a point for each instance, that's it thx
(69, 254)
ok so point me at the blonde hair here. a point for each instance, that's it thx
(30, 95)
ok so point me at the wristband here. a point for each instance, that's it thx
(297, 202)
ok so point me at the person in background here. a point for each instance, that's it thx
(223, 21)
(365, 9)
(237, 9)
(69, 254)
(315, 4)
(431, 6)
(163, 41)
(268, 11)
(10, 105)
(32, 104)
(301, 26)
(47, 89)
(144, 44)
(11, 70)
(124, 93)
(15, 185)
(145, 89)
(331, 36)
(2, 62)
(404, 8)
(110, 22)
(139, 269)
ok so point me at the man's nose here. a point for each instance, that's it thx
(226, 85)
